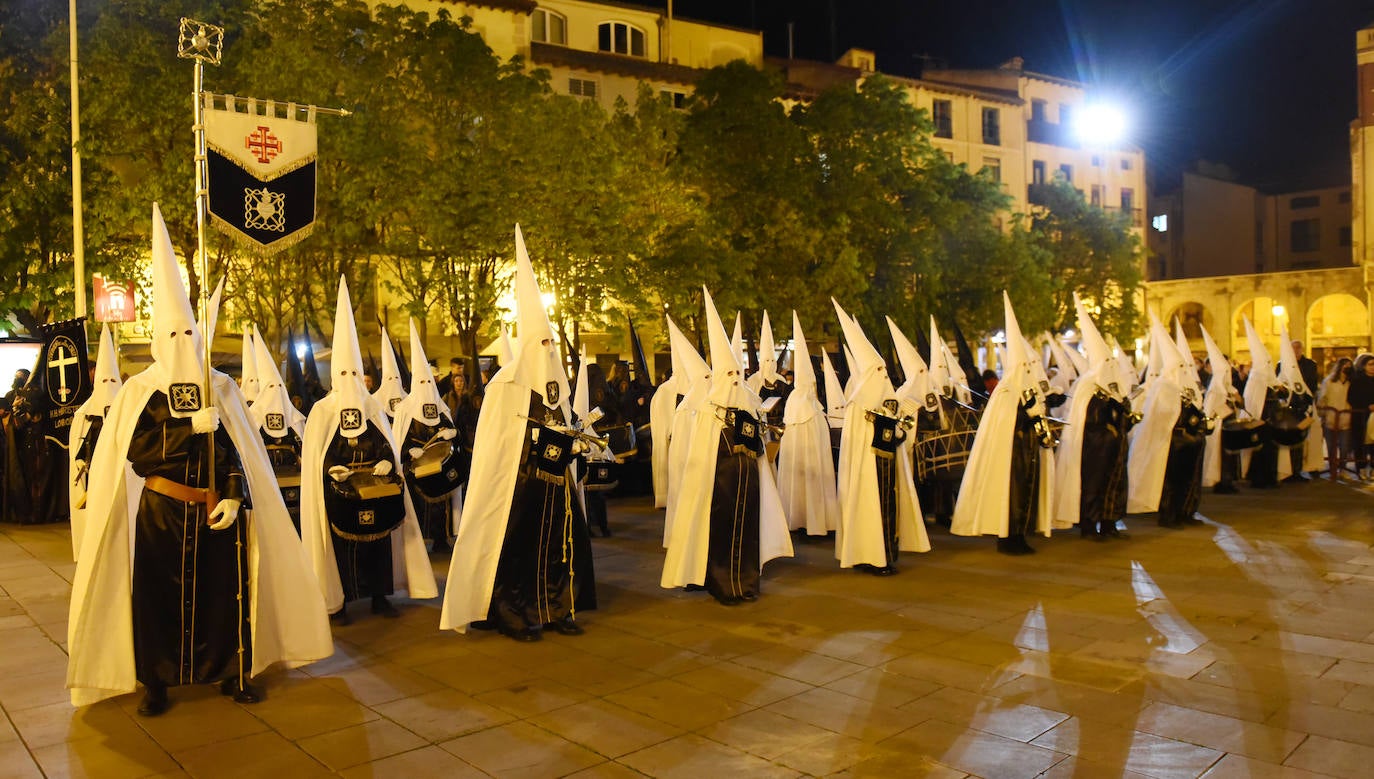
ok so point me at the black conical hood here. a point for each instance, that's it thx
(640, 362)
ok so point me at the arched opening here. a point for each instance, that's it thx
(1337, 326)
(1193, 316)
(1268, 316)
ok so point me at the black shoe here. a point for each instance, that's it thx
(482, 624)
(248, 693)
(694, 588)
(1111, 531)
(523, 635)
(1225, 489)
(566, 627)
(886, 570)
(383, 606)
(749, 597)
(154, 701)
(1015, 546)
(341, 617)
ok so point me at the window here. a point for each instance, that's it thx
(620, 38)
(1038, 110)
(673, 98)
(1344, 197)
(1343, 236)
(1127, 201)
(1306, 201)
(1305, 235)
(992, 126)
(1096, 195)
(1160, 223)
(942, 114)
(1097, 161)
(1125, 163)
(1067, 172)
(581, 87)
(992, 168)
(548, 27)
(1065, 115)
(1038, 172)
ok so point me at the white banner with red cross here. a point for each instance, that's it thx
(261, 170)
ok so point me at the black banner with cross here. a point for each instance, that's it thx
(61, 379)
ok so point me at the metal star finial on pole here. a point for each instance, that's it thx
(200, 41)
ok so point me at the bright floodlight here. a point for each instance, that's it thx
(1100, 124)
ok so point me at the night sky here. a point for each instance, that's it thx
(1265, 87)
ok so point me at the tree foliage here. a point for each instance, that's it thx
(630, 210)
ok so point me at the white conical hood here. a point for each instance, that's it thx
(834, 393)
(687, 359)
(940, 378)
(424, 392)
(803, 373)
(768, 355)
(1090, 337)
(177, 345)
(249, 383)
(737, 339)
(536, 363)
(107, 381)
(1185, 356)
(1260, 361)
(1165, 361)
(917, 385)
(507, 346)
(1080, 363)
(1216, 360)
(346, 368)
(1017, 355)
(1290, 373)
(679, 378)
(727, 374)
(212, 307)
(272, 409)
(1068, 369)
(389, 391)
(864, 358)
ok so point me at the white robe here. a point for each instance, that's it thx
(689, 533)
(806, 469)
(1150, 440)
(1068, 458)
(410, 567)
(289, 624)
(859, 539)
(661, 409)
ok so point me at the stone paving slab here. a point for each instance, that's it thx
(1243, 647)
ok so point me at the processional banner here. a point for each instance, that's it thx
(61, 381)
(261, 170)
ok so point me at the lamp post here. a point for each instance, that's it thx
(78, 237)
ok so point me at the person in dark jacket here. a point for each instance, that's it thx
(1361, 403)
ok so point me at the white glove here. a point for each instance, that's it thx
(227, 511)
(416, 452)
(579, 447)
(340, 473)
(206, 420)
(382, 468)
(448, 433)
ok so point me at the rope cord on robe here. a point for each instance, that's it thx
(568, 549)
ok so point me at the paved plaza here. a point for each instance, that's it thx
(1242, 648)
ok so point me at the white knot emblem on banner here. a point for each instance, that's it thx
(264, 209)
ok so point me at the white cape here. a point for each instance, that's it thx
(984, 497)
(287, 617)
(1150, 445)
(806, 469)
(410, 567)
(661, 409)
(859, 539)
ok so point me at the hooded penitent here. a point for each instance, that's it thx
(985, 499)
(806, 469)
(1098, 399)
(661, 414)
(419, 417)
(287, 622)
(917, 389)
(249, 383)
(946, 376)
(1065, 370)
(273, 410)
(695, 503)
(696, 384)
(1150, 439)
(85, 431)
(768, 359)
(1217, 403)
(879, 513)
(389, 391)
(1290, 376)
(834, 393)
(533, 384)
(349, 411)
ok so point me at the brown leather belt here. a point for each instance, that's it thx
(177, 490)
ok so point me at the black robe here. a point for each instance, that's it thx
(545, 571)
(435, 515)
(364, 566)
(732, 557)
(1182, 490)
(190, 583)
(285, 455)
(1025, 476)
(1102, 497)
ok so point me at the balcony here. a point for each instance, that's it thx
(1040, 131)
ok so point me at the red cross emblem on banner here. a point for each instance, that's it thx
(263, 143)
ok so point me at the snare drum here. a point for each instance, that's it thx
(440, 470)
(1237, 435)
(364, 507)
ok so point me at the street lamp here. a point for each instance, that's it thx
(1100, 124)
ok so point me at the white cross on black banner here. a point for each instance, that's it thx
(61, 380)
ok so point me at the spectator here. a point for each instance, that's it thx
(1333, 405)
(1361, 397)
